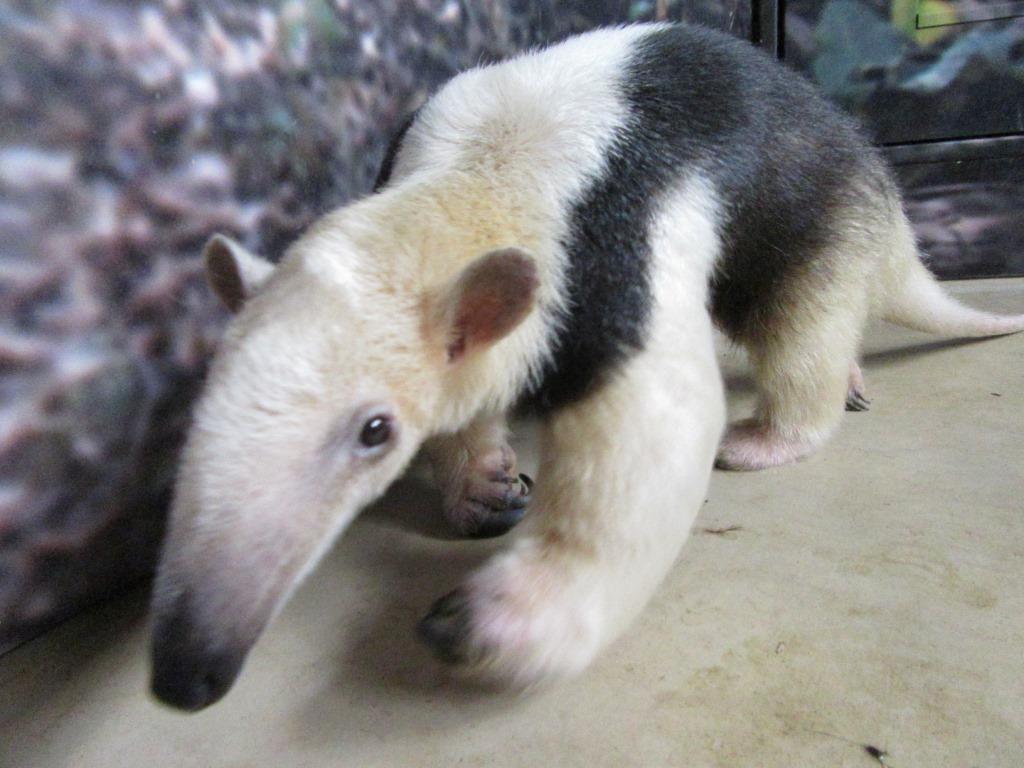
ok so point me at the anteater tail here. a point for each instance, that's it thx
(914, 299)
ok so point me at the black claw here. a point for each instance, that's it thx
(446, 627)
(515, 502)
(498, 515)
(857, 402)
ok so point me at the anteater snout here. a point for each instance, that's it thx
(190, 669)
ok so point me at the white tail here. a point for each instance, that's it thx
(916, 300)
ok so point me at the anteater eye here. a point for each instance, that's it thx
(375, 432)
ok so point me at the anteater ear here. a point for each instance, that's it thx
(233, 273)
(485, 302)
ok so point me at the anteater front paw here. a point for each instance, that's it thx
(489, 504)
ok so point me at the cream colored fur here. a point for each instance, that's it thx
(805, 364)
(623, 474)
(911, 297)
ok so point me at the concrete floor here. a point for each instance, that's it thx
(872, 595)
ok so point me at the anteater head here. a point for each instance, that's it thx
(329, 377)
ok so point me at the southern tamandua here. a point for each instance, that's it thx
(556, 234)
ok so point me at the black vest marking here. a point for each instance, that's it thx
(778, 156)
(609, 254)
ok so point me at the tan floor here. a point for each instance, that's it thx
(872, 595)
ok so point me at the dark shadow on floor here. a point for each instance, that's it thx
(386, 660)
(69, 655)
(890, 356)
(413, 505)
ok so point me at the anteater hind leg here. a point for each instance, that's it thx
(804, 363)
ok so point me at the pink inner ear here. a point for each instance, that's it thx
(457, 347)
(495, 295)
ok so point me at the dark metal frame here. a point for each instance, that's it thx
(769, 32)
(768, 29)
(914, 159)
(974, 148)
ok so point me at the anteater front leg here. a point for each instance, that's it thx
(483, 493)
(624, 473)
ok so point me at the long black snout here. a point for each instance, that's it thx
(189, 671)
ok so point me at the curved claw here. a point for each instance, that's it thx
(446, 626)
(855, 401)
(496, 515)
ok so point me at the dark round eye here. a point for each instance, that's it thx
(375, 432)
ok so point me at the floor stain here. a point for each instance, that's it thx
(722, 531)
(927, 566)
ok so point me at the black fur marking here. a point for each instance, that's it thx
(387, 165)
(608, 272)
(188, 673)
(779, 157)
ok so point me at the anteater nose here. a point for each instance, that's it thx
(189, 671)
(192, 682)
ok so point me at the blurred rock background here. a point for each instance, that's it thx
(129, 133)
(920, 71)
